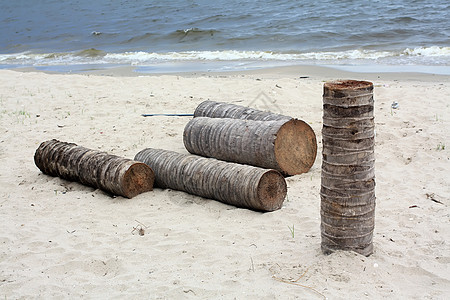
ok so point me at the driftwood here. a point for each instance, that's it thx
(348, 174)
(114, 174)
(213, 109)
(287, 145)
(235, 184)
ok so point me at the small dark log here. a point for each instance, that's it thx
(114, 174)
(348, 173)
(287, 145)
(235, 184)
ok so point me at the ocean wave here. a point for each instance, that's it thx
(180, 35)
(91, 53)
(193, 32)
(427, 51)
(269, 55)
(425, 55)
(143, 37)
(230, 55)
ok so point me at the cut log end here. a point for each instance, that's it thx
(348, 92)
(348, 85)
(271, 191)
(295, 147)
(139, 178)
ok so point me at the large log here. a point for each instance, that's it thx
(286, 145)
(113, 174)
(231, 183)
(348, 173)
(213, 109)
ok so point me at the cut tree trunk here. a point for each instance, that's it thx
(235, 184)
(287, 145)
(348, 173)
(213, 109)
(113, 174)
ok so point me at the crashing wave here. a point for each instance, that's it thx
(424, 55)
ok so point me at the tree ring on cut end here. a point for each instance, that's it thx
(348, 84)
(295, 147)
(271, 190)
(139, 178)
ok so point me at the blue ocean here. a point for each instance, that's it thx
(225, 35)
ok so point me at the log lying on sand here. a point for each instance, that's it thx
(114, 174)
(213, 109)
(235, 184)
(286, 145)
(348, 174)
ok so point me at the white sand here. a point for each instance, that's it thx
(61, 239)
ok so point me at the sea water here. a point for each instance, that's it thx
(225, 35)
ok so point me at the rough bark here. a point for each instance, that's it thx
(287, 145)
(213, 109)
(113, 174)
(348, 173)
(231, 183)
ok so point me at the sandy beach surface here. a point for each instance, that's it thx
(60, 239)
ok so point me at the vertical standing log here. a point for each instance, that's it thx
(213, 109)
(114, 174)
(286, 145)
(348, 174)
(239, 185)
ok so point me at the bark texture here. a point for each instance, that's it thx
(235, 184)
(348, 174)
(113, 174)
(287, 145)
(213, 109)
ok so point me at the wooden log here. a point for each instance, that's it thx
(113, 174)
(231, 183)
(288, 145)
(348, 173)
(213, 109)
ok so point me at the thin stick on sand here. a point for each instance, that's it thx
(167, 115)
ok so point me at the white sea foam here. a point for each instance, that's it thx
(422, 56)
(427, 51)
(228, 55)
(199, 55)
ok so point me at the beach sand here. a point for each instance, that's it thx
(61, 239)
